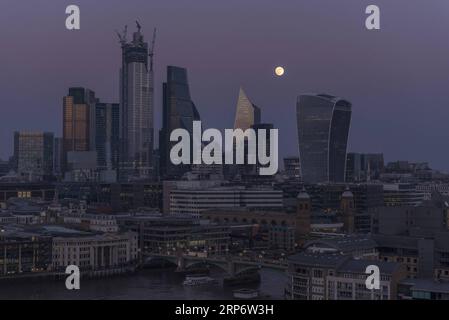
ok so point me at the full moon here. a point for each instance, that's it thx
(279, 71)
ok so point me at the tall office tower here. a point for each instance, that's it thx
(323, 128)
(179, 111)
(136, 108)
(107, 132)
(58, 156)
(78, 109)
(33, 152)
(247, 113)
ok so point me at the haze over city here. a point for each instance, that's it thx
(396, 78)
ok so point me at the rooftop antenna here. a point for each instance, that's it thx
(151, 51)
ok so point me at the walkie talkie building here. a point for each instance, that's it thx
(323, 128)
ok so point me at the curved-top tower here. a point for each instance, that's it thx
(323, 128)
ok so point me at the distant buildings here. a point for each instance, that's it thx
(402, 194)
(33, 152)
(115, 197)
(323, 128)
(24, 253)
(179, 111)
(137, 107)
(417, 236)
(168, 234)
(34, 249)
(362, 167)
(42, 190)
(328, 197)
(194, 197)
(292, 168)
(58, 156)
(5, 167)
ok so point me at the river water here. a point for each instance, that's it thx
(150, 284)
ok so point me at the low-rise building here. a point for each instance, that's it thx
(23, 252)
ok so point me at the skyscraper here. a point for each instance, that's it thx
(78, 124)
(179, 111)
(58, 152)
(136, 108)
(247, 113)
(323, 127)
(107, 131)
(33, 152)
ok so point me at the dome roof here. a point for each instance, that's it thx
(303, 195)
(347, 193)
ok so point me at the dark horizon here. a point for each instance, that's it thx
(395, 78)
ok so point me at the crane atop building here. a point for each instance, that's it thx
(151, 51)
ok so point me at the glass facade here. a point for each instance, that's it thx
(136, 114)
(179, 111)
(107, 119)
(78, 109)
(323, 127)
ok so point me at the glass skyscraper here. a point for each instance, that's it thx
(323, 128)
(179, 111)
(78, 123)
(107, 131)
(136, 109)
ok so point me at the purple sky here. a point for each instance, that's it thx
(397, 78)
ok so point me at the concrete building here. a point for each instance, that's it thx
(330, 276)
(93, 253)
(93, 222)
(193, 198)
(168, 234)
(33, 152)
(417, 236)
(292, 168)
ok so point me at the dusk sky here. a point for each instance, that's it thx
(397, 78)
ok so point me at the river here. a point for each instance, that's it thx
(150, 284)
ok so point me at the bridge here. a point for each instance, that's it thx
(232, 265)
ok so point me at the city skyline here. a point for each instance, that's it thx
(366, 76)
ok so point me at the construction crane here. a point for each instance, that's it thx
(151, 51)
(122, 36)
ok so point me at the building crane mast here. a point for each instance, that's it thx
(122, 36)
(151, 51)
